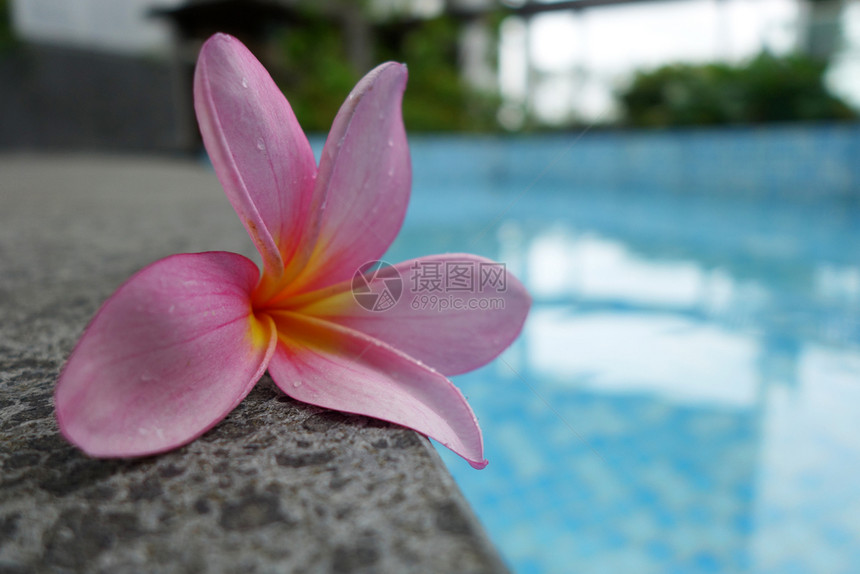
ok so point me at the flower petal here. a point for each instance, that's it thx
(327, 365)
(258, 150)
(456, 312)
(170, 354)
(362, 189)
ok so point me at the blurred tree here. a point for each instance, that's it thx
(439, 99)
(316, 69)
(7, 36)
(766, 89)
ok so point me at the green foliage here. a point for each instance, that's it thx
(7, 37)
(766, 89)
(438, 99)
(315, 73)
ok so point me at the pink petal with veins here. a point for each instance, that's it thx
(455, 328)
(168, 356)
(362, 189)
(334, 367)
(258, 149)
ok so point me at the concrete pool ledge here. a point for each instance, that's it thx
(277, 487)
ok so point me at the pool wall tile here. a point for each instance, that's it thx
(804, 160)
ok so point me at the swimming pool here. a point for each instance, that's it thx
(685, 396)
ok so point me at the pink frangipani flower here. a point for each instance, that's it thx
(183, 341)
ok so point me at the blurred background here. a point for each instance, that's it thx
(677, 183)
(108, 74)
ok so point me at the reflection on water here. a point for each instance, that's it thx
(686, 393)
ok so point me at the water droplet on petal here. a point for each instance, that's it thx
(297, 384)
(261, 145)
(244, 82)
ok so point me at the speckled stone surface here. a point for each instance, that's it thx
(276, 487)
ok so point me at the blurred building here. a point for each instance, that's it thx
(87, 74)
(117, 74)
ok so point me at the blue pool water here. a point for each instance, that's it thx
(685, 396)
